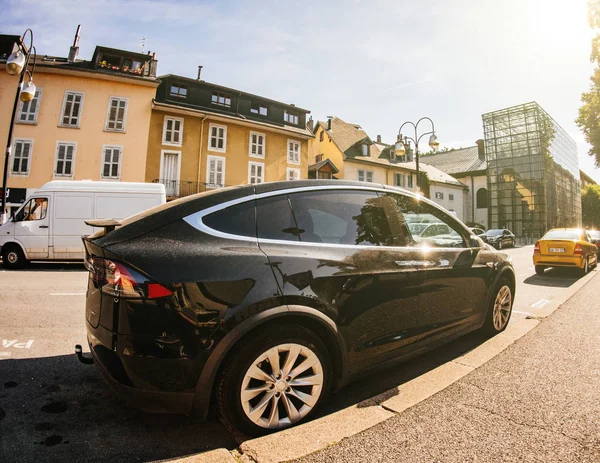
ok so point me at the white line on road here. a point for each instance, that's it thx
(540, 303)
(5, 354)
(522, 313)
(67, 294)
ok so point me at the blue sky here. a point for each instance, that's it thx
(377, 62)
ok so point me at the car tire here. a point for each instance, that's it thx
(500, 309)
(499, 245)
(586, 267)
(295, 396)
(539, 269)
(13, 257)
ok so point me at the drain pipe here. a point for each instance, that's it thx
(200, 153)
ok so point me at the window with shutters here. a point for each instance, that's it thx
(293, 152)
(111, 161)
(217, 139)
(28, 110)
(398, 179)
(215, 172)
(256, 172)
(293, 174)
(21, 156)
(72, 109)
(409, 183)
(365, 175)
(172, 131)
(116, 114)
(65, 159)
(257, 145)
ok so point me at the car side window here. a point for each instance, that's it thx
(274, 219)
(348, 217)
(236, 220)
(428, 225)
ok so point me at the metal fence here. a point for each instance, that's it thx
(179, 189)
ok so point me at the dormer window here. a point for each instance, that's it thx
(258, 108)
(290, 117)
(365, 149)
(221, 99)
(179, 90)
(115, 62)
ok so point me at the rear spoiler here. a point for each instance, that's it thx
(108, 224)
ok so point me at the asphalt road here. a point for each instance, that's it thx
(54, 408)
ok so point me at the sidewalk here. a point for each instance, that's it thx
(538, 401)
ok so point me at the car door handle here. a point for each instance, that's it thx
(43, 226)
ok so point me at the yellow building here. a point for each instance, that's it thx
(88, 120)
(206, 136)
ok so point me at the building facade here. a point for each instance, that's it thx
(205, 136)
(88, 120)
(532, 171)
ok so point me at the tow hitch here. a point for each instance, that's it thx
(82, 359)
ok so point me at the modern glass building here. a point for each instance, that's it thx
(533, 172)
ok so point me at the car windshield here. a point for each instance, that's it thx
(417, 228)
(562, 235)
(494, 232)
(594, 234)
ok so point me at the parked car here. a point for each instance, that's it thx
(565, 247)
(51, 222)
(264, 298)
(500, 238)
(595, 237)
(480, 233)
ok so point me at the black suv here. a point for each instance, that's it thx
(261, 299)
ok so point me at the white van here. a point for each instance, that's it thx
(50, 224)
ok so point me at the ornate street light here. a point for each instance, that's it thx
(17, 64)
(403, 142)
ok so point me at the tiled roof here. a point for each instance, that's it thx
(456, 161)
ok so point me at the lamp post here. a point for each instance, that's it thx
(400, 147)
(17, 64)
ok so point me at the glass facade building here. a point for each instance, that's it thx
(533, 172)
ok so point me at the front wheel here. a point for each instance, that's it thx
(13, 257)
(500, 310)
(274, 379)
(499, 244)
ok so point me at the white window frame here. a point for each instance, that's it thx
(208, 159)
(177, 180)
(292, 160)
(115, 129)
(439, 195)
(293, 173)
(450, 196)
(409, 181)
(102, 162)
(39, 91)
(291, 117)
(62, 111)
(65, 142)
(262, 172)
(218, 126)
(365, 174)
(264, 145)
(400, 176)
(164, 137)
(29, 157)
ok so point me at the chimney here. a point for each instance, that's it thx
(481, 149)
(378, 138)
(153, 65)
(74, 51)
(329, 118)
(199, 72)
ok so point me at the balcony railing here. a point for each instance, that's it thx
(178, 189)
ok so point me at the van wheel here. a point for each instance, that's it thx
(274, 379)
(500, 309)
(12, 256)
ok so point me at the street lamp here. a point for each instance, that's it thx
(17, 64)
(400, 146)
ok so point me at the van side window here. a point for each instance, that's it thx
(235, 220)
(34, 209)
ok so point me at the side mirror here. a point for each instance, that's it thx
(593, 240)
(475, 242)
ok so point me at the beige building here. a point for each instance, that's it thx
(88, 120)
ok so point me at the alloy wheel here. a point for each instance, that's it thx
(12, 257)
(502, 308)
(281, 386)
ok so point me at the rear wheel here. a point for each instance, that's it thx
(500, 244)
(539, 269)
(274, 379)
(586, 267)
(12, 256)
(499, 312)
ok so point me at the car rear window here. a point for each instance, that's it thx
(562, 235)
(235, 220)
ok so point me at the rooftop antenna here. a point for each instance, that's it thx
(142, 43)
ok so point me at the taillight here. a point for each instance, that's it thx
(578, 250)
(536, 248)
(119, 280)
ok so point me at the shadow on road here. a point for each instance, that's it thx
(555, 277)
(58, 409)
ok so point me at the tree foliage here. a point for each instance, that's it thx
(590, 206)
(589, 113)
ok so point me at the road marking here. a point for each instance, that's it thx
(19, 345)
(522, 313)
(67, 294)
(5, 354)
(540, 303)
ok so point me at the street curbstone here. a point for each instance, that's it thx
(214, 456)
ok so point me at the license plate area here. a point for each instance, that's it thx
(556, 249)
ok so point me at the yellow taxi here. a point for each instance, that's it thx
(565, 247)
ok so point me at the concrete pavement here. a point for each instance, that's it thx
(536, 401)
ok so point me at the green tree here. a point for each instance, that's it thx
(589, 113)
(590, 206)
